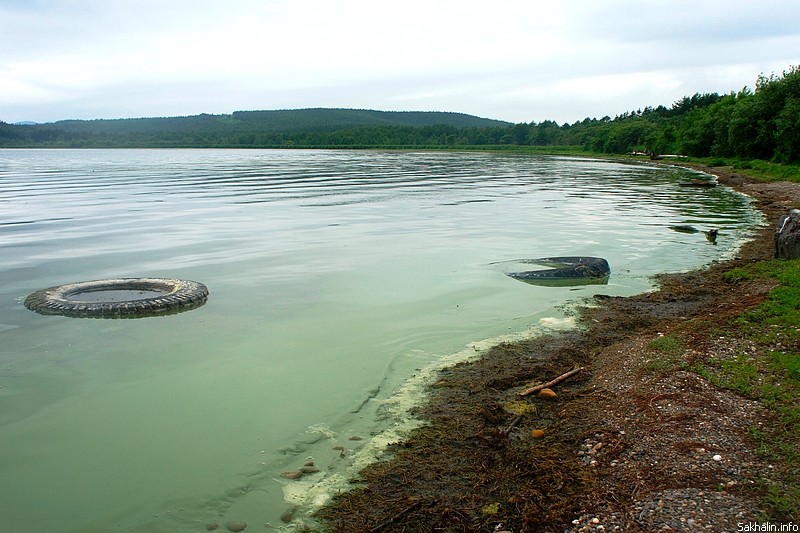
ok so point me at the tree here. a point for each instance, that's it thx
(787, 132)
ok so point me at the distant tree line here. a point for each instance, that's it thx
(763, 123)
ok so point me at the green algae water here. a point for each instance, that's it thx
(339, 282)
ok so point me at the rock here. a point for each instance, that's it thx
(356, 437)
(236, 525)
(309, 463)
(212, 526)
(309, 469)
(787, 236)
(292, 474)
(537, 433)
(287, 516)
(717, 458)
(547, 393)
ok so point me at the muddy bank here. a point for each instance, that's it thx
(624, 444)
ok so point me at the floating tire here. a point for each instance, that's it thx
(119, 298)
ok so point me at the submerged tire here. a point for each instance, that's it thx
(571, 267)
(119, 298)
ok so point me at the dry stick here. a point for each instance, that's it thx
(559, 379)
(513, 423)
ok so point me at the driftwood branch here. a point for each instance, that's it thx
(505, 431)
(559, 379)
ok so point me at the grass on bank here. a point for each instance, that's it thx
(771, 376)
(763, 170)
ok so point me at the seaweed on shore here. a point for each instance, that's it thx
(476, 466)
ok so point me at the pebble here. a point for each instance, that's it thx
(212, 526)
(236, 525)
(717, 458)
(591, 449)
(537, 433)
(292, 474)
(309, 469)
(547, 393)
(287, 516)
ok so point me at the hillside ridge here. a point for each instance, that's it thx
(278, 120)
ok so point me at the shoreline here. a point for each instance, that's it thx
(628, 444)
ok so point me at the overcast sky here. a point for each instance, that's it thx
(514, 60)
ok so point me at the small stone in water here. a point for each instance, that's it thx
(356, 437)
(309, 469)
(287, 515)
(292, 474)
(212, 526)
(236, 525)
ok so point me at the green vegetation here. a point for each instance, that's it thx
(666, 344)
(751, 129)
(669, 355)
(771, 375)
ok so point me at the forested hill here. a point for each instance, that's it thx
(279, 121)
(249, 129)
(760, 124)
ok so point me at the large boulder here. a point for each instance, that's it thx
(787, 236)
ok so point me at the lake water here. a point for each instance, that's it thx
(339, 281)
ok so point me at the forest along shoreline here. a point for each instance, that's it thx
(638, 440)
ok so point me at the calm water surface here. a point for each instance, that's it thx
(338, 281)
